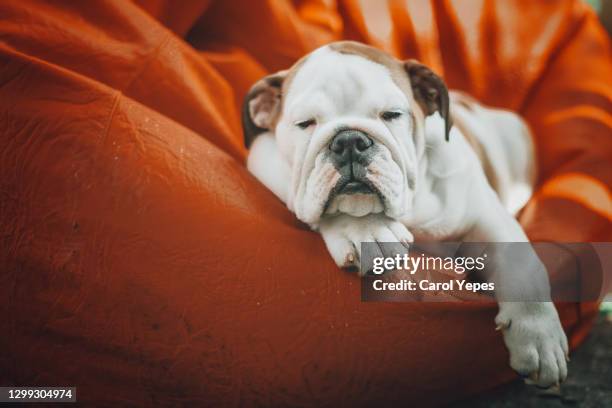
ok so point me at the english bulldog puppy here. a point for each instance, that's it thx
(362, 148)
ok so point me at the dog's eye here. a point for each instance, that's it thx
(390, 115)
(305, 124)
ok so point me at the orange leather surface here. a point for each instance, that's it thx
(143, 264)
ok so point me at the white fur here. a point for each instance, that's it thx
(265, 163)
(432, 189)
(507, 142)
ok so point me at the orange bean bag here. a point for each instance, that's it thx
(141, 262)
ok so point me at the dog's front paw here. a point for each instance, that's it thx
(536, 341)
(343, 235)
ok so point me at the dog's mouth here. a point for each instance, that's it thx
(352, 186)
(355, 187)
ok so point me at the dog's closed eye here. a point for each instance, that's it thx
(388, 116)
(305, 124)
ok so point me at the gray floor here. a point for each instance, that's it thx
(589, 383)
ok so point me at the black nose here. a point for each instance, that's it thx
(350, 145)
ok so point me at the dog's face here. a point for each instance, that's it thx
(348, 120)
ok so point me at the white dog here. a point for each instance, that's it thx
(360, 146)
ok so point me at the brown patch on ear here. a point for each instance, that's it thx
(430, 92)
(261, 106)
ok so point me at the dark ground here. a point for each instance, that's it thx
(589, 383)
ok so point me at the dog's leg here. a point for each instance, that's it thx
(343, 235)
(527, 317)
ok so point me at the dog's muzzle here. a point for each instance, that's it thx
(351, 151)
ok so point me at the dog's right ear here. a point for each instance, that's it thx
(261, 106)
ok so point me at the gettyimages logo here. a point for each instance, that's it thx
(412, 264)
(487, 272)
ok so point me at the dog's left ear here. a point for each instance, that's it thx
(261, 106)
(430, 92)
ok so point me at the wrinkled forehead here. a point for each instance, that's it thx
(343, 80)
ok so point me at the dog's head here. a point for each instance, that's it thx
(348, 119)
